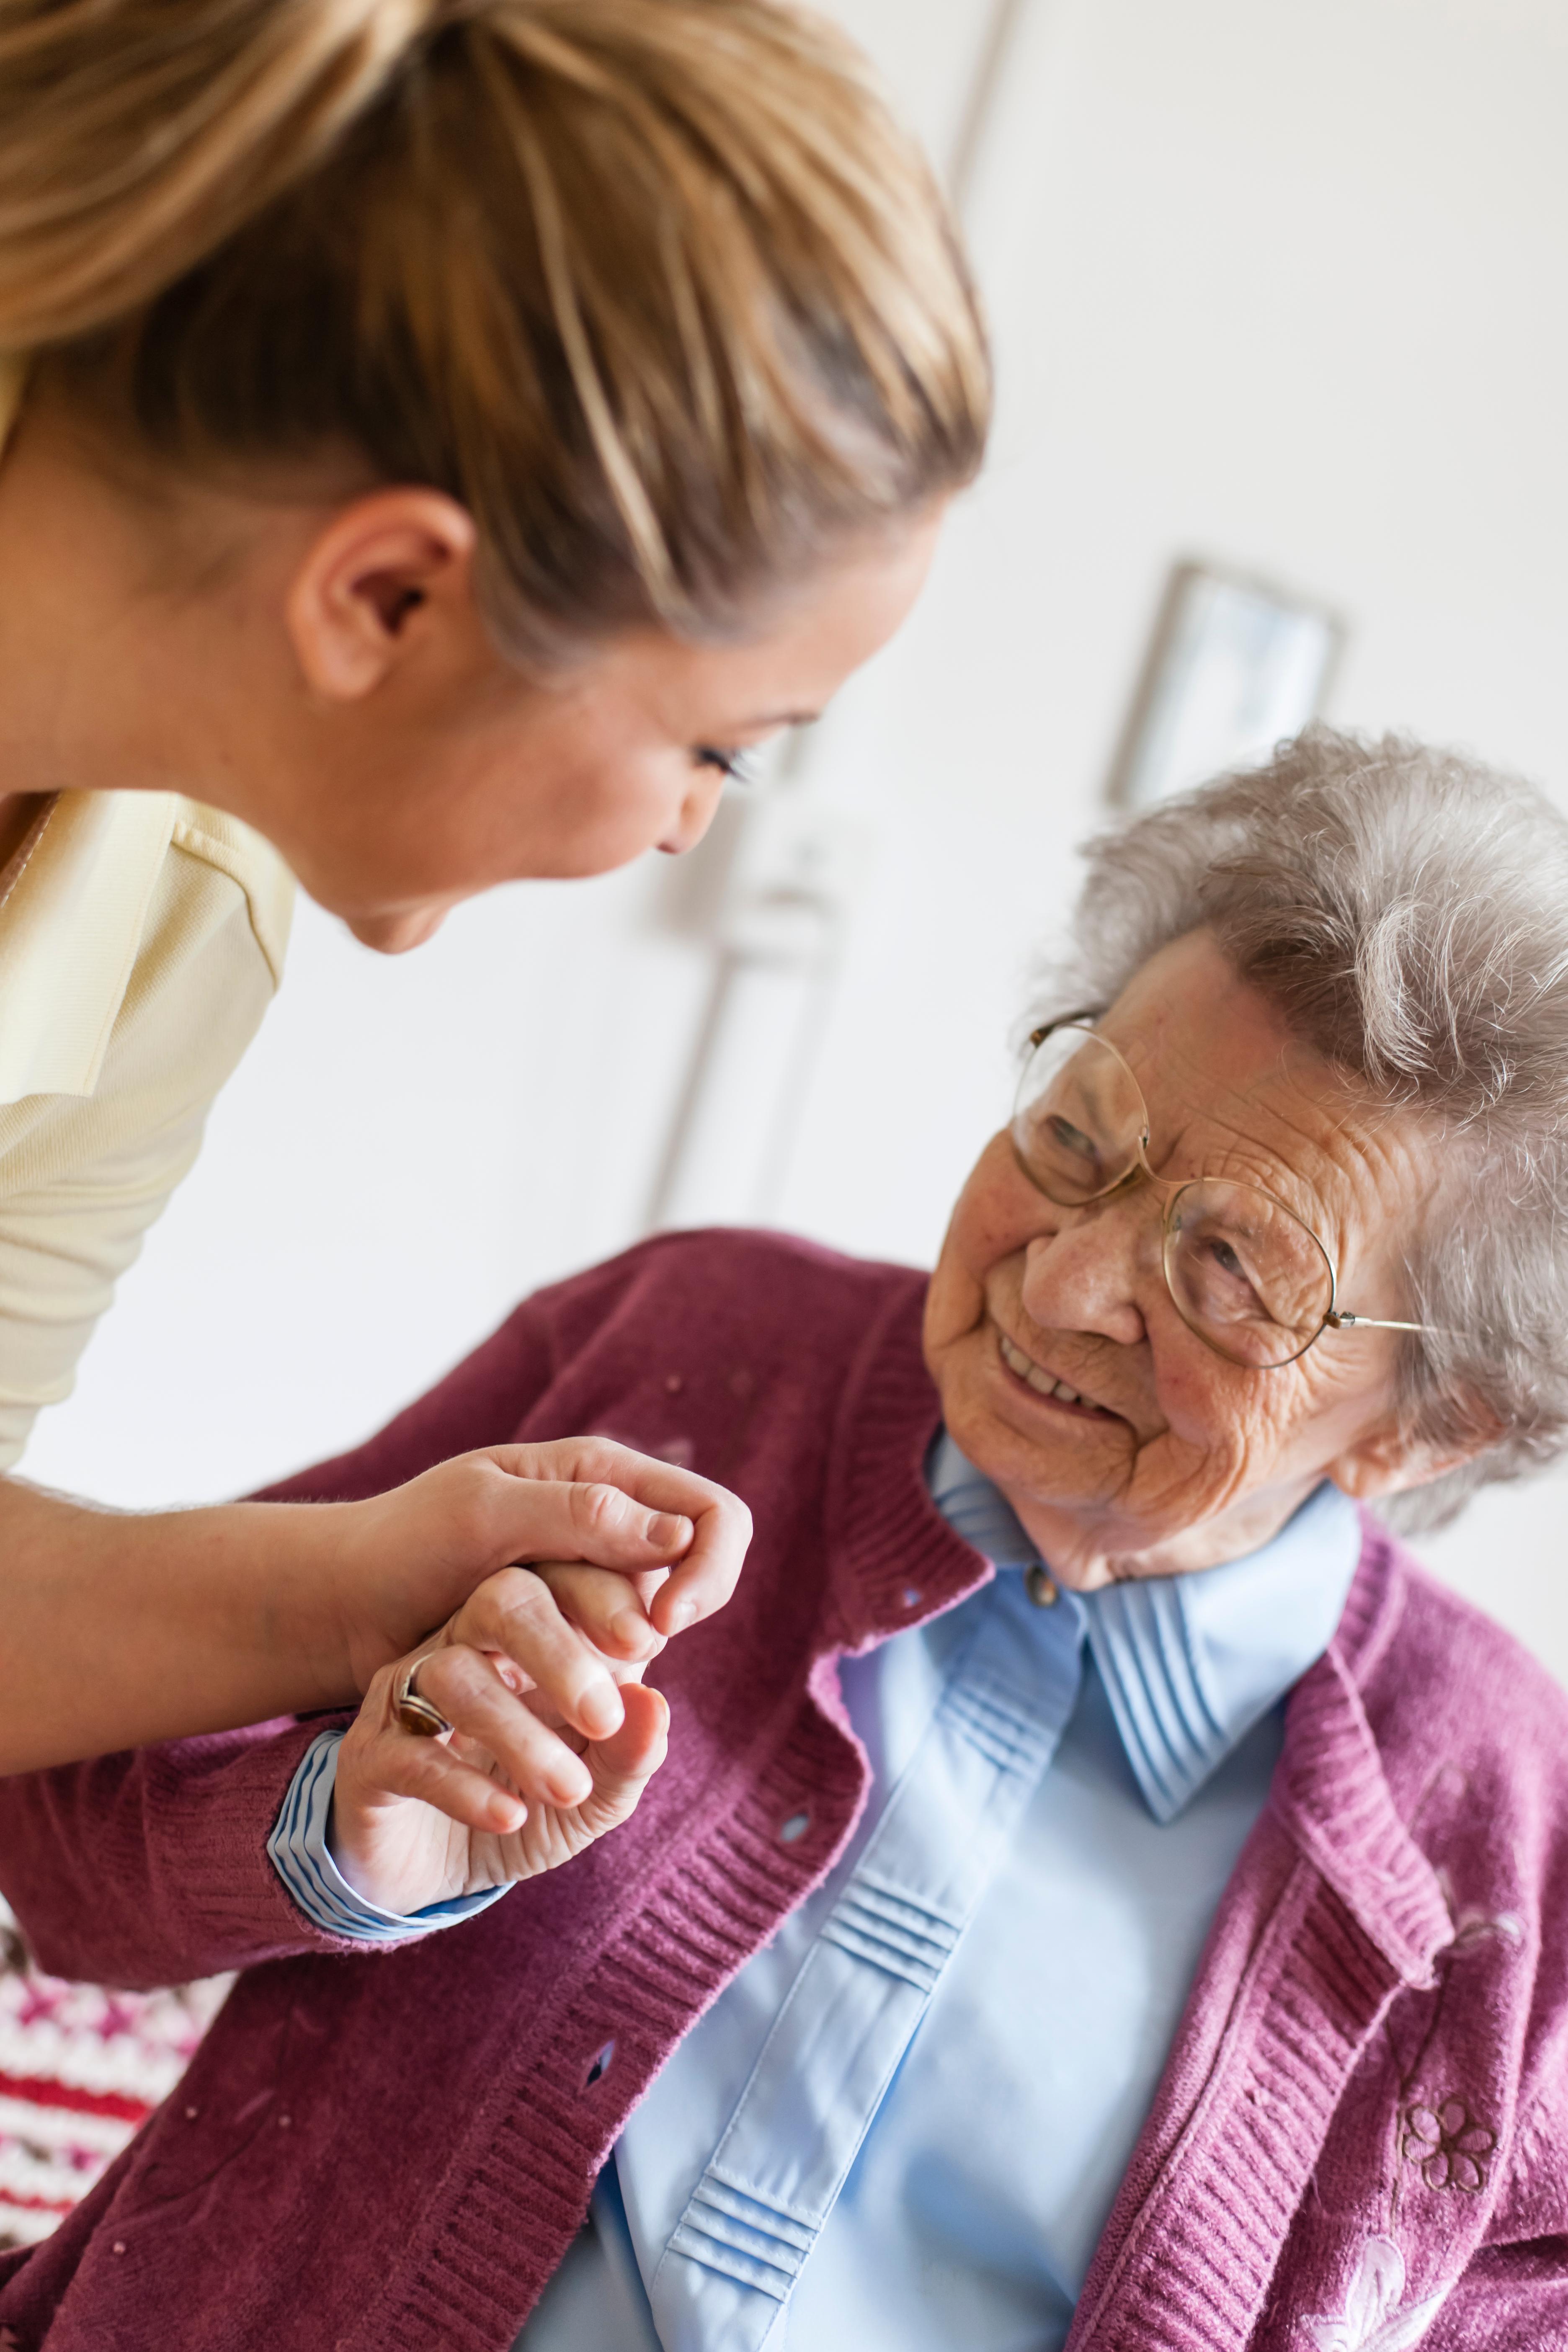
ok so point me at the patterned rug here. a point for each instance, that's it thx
(79, 2069)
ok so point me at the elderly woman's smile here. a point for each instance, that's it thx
(1084, 1352)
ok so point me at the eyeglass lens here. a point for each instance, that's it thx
(1245, 1273)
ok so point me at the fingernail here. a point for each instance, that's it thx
(508, 1812)
(602, 1711)
(679, 1615)
(569, 1784)
(633, 1631)
(668, 1532)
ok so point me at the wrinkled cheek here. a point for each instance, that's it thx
(956, 1301)
(1180, 1483)
(954, 1304)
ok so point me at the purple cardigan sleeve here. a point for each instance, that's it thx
(149, 1868)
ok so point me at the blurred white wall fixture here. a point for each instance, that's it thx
(1235, 666)
(771, 890)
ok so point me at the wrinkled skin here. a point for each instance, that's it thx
(1174, 1458)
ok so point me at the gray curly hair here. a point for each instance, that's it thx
(1406, 910)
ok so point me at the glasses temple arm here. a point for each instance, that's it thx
(1341, 1321)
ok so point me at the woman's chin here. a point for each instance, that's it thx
(1029, 1445)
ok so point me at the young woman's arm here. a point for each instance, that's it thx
(119, 1630)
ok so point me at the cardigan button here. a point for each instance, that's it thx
(795, 1827)
(1041, 1590)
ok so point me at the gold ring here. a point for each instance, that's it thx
(411, 1712)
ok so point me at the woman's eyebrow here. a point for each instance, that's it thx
(776, 719)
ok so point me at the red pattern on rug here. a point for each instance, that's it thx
(80, 2068)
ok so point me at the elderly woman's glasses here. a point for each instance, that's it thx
(1247, 1273)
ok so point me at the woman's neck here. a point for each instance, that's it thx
(71, 670)
(142, 646)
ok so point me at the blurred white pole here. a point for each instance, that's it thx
(996, 52)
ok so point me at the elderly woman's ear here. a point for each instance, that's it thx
(1392, 1459)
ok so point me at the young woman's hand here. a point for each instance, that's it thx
(553, 1739)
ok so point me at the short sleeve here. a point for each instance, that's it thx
(82, 1177)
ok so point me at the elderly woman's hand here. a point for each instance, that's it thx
(552, 1740)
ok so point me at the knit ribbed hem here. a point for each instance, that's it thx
(1188, 2262)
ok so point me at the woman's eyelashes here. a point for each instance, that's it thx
(735, 766)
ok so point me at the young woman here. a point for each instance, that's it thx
(440, 439)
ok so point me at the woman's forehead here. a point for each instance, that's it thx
(1226, 1081)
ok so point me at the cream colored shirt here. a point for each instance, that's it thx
(142, 939)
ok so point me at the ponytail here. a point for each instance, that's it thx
(657, 289)
(135, 137)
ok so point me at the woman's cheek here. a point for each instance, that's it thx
(1221, 1415)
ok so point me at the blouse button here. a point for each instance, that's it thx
(1039, 1587)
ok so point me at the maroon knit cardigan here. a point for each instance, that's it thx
(1360, 2140)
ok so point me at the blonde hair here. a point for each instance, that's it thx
(657, 289)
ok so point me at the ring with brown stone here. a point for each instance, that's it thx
(411, 1712)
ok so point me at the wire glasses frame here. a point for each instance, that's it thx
(1080, 1132)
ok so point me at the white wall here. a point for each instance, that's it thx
(1273, 283)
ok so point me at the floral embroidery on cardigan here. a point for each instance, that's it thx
(1373, 2321)
(1448, 2145)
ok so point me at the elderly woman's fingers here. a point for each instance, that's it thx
(620, 1768)
(468, 1826)
(514, 1615)
(430, 1772)
(609, 1610)
(539, 1756)
(622, 1765)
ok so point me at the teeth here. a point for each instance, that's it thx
(1043, 1384)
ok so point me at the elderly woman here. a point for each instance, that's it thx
(1102, 1890)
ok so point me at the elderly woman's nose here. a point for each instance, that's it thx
(1087, 1276)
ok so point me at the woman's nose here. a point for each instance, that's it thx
(1090, 1274)
(697, 811)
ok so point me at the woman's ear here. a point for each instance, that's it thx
(387, 573)
(1390, 1459)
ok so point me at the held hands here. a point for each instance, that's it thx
(554, 1736)
(403, 1561)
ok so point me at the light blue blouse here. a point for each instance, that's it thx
(903, 2124)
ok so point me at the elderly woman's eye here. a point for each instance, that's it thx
(1071, 1141)
(1225, 1280)
(1063, 1160)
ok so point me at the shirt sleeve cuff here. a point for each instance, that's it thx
(298, 1854)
